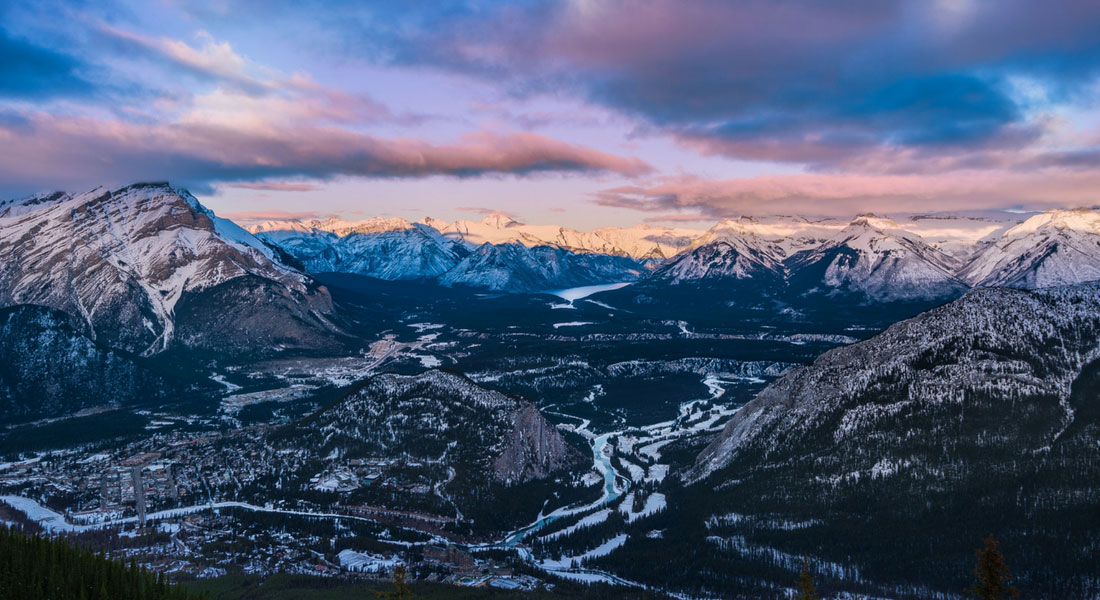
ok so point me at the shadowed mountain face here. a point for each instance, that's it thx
(138, 267)
(49, 369)
(978, 416)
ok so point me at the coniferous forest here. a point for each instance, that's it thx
(38, 568)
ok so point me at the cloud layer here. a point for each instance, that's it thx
(202, 113)
(854, 84)
(848, 194)
(201, 150)
(683, 109)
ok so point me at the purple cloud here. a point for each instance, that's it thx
(831, 85)
(212, 146)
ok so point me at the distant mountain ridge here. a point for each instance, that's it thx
(161, 249)
(879, 260)
(495, 253)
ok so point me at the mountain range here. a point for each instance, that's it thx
(977, 415)
(146, 268)
(924, 257)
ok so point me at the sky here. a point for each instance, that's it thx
(583, 113)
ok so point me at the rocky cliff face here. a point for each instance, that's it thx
(533, 449)
(122, 262)
(438, 416)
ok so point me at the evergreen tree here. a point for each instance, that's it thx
(401, 589)
(33, 568)
(992, 574)
(806, 588)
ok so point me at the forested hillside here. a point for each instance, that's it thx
(36, 568)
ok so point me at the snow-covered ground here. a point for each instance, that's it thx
(55, 522)
(592, 519)
(565, 562)
(654, 504)
(365, 562)
(572, 324)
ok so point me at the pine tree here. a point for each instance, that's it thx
(992, 574)
(401, 589)
(806, 588)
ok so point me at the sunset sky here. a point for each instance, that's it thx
(581, 113)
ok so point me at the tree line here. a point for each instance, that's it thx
(40, 568)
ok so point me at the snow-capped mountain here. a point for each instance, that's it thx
(512, 267)
(960, 235)
(731, 250)
(141, 266)
(392, 249)
(920, 257)
(510, 257)
(1058, 247)
(871, 256)
(876, 258)
(640, 241)
(785, 234)
(984, 409)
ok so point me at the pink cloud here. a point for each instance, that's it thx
(255, 216)
(846, 194)
(224, 145)
(271, 186)
(481, 210)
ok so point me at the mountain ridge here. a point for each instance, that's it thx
(122, 261)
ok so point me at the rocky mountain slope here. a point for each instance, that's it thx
(873, 257)
(495, 253)
(391, 249)
(1058, 247)
(513, 267)
(978, 416)
(484, 437)
(49, 369)
(141, 268)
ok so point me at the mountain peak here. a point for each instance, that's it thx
(143, 248)
(1075, 219)
(873, 221)
(499, 220)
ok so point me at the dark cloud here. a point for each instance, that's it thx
(30, 71)
(80, 152)
(824, 83)
(846, 194)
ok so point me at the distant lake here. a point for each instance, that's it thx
(584, 291)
